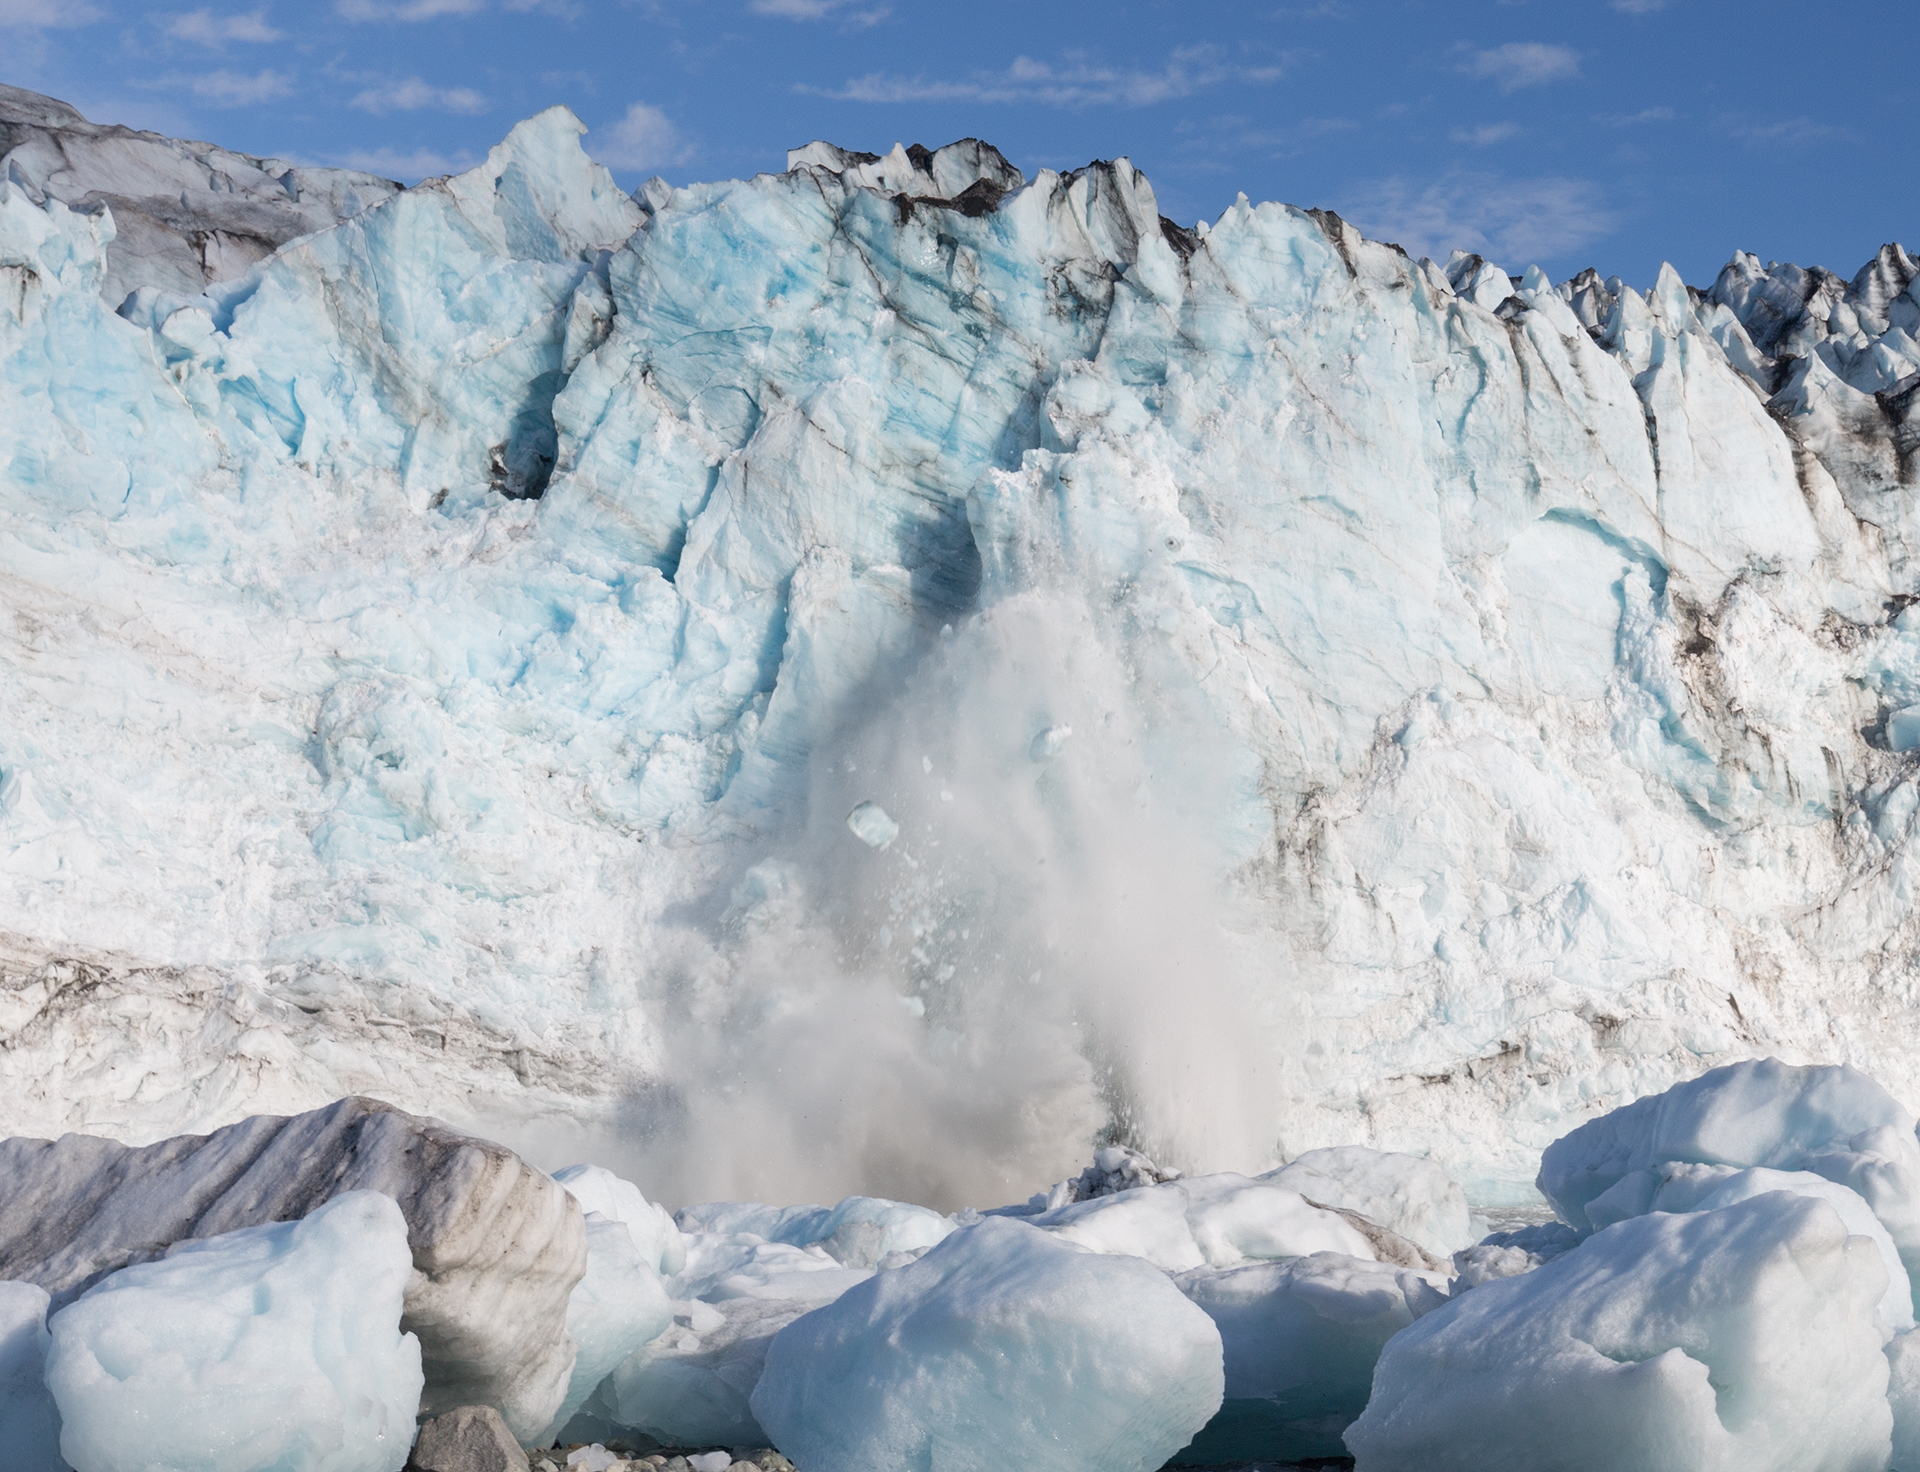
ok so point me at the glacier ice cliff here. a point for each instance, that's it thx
(1321, 697)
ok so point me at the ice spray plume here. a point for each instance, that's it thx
(1017, 949)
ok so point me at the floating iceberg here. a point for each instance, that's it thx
(1002, 1347)
(1740, 1338)
(273, 1346)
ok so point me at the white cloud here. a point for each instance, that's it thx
(413, 94)
(235, 89)
(1523, 64)
(1784, 132)
(1634, 119)
(1486, 135)
(30, 15)
(1639, 7)
(642, 140)
(1516, 222)
(1075, 83)
(406, 9)
(840, 10)
(421, 163)
(207, 29)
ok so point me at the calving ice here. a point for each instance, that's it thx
(869, 684)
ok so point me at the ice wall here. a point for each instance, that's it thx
(1323, 698)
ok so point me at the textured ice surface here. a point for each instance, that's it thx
(651, 1226)
(442, 660)
(1903, 1395)
(1834, 1122)
(1744, 1338)
(1218, 1221)
(690, 1387)
(1300, 1339)
(497, 1245)
(857, 1233)
(274, 1346)
(1413, 1197)
(619, 1306)
(29, 1420)
(1002, 1347)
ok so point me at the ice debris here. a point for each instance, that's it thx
(1002, 1347)
(270, 1346)
(870, 824)
(498, 1247)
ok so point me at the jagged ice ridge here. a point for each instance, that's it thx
(1304, 696)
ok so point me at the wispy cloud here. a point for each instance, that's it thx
(1514, 221)
(413, 95)
(406, 10)
(1635, 119)
(1522, 64)
(645, 138)
(1795, 132)
(1324, 10)
(232, 89)
(1486, 135)
(1073, 83)
(844, 11)
(204, 28)
(33, 15)
(420, 163)
(1639, 7)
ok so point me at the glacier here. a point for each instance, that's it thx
(1298, 696)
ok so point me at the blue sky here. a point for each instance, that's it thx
(1614, 133)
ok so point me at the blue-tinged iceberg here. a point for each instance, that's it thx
(1309, 696)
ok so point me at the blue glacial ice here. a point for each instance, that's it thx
(1322, 698)
(275, 1346)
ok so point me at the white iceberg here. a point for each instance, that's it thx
(1002, 1347)
(275, 1346)
(1744, 1339)
(617, 1308)
(1404, 1193)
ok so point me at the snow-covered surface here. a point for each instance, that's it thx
(1743, 1338)
(498, 1247)
(29, 1420)
(1323, 698)
(273, 1346)
(1002, 1347)
(857, 1233)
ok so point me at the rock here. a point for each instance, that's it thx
(497, 1246)
(467, 1439)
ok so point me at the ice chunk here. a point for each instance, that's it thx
(29, 1421)
(1903, 1396)
(689, 1387)
(1831, 1120)
(1049, 743)
(598, 1189)
(1744, 1339)
(1403, 1193)
(870, 824)
(857, 1233)
(1509, 1254)
(619, 1306)
(272, 1346)
(1215, 1221)
(498, 1246)
(1002, 1347)
(1300, 1339)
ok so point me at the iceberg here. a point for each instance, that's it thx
(272, 1346)
(448, 639)
(1742, 1337)
(1002, 1347)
